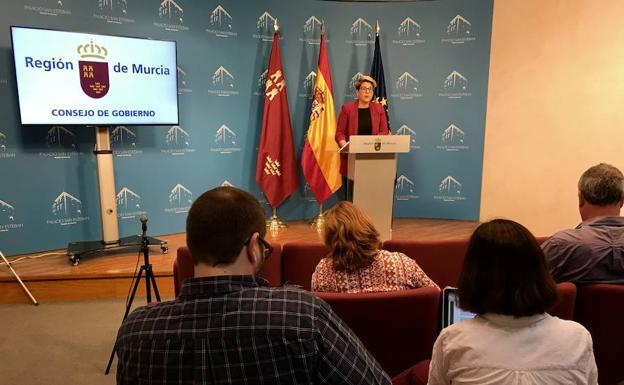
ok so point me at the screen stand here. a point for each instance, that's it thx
(108, 208)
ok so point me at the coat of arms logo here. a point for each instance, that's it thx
(93, 74)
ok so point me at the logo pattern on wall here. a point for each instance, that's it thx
(264, 27)
(8, 218)
(312, 31)
(405, 130)
(124, 141)
(129, 204)
(455, 86)
(453, 139)
(458, 31)
(5, 150)
(361, 33)
(61, 143)
(407, 87)
(113, 11)
(171, 16)
(223, 83)
(66, 210)
(177, 141)
(308, 85)
(408, 33)
(225, 141)
(47, 8)
(221, 23)
(183, 85)
(261, 84)
(404, 189)
(307, 195)
(180, 199)
(450, 190)
(123, 136)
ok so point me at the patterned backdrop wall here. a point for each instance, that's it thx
(435, 54)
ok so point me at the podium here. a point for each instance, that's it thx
(372, 168)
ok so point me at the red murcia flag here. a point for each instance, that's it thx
(276, 167)
(94, 78)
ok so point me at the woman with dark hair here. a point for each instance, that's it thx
(512, 340)
(355, 263)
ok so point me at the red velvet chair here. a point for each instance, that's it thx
(416, 375)
(183, 267)
(398, 327)
(564, 307)
(600, 308)
(299, 261)
(441, 260)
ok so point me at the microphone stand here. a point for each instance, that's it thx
(150, 280)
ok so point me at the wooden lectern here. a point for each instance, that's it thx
(372, 168)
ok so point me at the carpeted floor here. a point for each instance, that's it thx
(59, 343)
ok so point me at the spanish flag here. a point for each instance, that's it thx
(320, 160)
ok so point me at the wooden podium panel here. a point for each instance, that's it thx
(372, 167)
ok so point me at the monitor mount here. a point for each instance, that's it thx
(108, 209)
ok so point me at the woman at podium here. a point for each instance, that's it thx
(360, 117)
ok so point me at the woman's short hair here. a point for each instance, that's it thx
(364, 79)
(219, 222)
(351, 237)
(505, 272)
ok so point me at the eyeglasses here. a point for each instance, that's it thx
(366, 89)
(267, 248)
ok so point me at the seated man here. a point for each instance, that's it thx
(228, 326)
(594, 250)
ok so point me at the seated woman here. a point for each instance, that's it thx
(355, 263)
(512, 340)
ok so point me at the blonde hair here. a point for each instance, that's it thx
(351, 237)
(362, 79)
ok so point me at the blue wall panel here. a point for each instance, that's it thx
(48, 185)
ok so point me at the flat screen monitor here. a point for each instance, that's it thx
(70, 78)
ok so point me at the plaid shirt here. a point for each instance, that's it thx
(237, 330)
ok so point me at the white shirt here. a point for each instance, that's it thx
(498, 349)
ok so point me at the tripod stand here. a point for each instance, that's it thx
(149, 281)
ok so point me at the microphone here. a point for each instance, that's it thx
(143, 220)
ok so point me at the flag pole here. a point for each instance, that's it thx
(319, 220)
(274, 224)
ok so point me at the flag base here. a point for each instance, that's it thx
(319, 220)
(274, 224)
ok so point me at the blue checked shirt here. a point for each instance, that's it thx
(237, 330)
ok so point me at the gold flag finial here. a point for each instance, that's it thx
(378, 28)
(276, 25)
(323, 27)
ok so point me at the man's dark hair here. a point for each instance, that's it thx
(602, 185)
(504, 272)
(219, 222)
